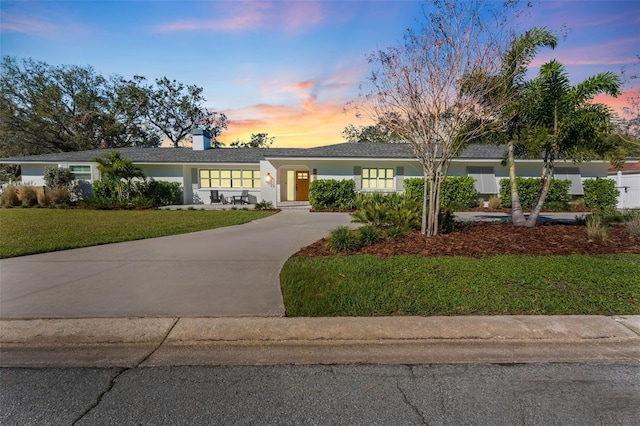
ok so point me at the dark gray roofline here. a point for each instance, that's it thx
(347, 150)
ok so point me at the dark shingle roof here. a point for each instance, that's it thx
(253, 155)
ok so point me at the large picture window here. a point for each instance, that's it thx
(376, 178)
(229, 178)
(81, 172)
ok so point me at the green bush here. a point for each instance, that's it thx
(161, 193)
(264, 205)
(152, 193)
(600, 194)
(392, 200)
(332, 194)
(456, 192)
(405, 214)
(58, 177)
(529, 188)
(395, 233)
(369, 235)
(342, 239)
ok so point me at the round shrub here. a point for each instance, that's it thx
(342, 239)
(600, 194)
(369, 235)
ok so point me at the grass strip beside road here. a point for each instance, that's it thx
(30, 231)
(364, 285)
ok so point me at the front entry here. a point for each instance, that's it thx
(302, 185)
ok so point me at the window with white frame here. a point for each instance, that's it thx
(229, 178)
(81, 172)
(572, 174)
(377, 178)
(485, 179)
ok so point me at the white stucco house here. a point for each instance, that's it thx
(283, 175)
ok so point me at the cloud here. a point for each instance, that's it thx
(310, 123)
(19, 24)
(253, 15)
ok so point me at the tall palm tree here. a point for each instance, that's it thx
(561, 121)
(515, 65)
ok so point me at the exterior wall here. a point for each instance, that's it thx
(269, 188)
(33, 174)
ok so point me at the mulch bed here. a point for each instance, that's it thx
(486, 239)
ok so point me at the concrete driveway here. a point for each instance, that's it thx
(232, 271)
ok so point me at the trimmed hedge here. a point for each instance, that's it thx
(332, 194)
(456, 192)
(600, 194)
(528, 189)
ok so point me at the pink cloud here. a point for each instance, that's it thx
(253, 15)
(18, 24)
(312, 123)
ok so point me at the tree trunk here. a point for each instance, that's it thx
(434, 205)
(533, 217)
(517, 215)
(423, 228)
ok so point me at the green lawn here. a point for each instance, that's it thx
(29, 231)
(409, 285)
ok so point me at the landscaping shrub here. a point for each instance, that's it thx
(342, 239)
(58, 177)
(28, 196)
(405, 214)
(395, 233)
(43, 198)
(456, 192)
(529, 188)
(61, 196)
(9, 197)
(494, 202)
(369, 235)
(161, 193)
(597, 229)
(600, 194)
(264, 205)
(332, 194)
(139, 194)
(632, 223)
(392, 200)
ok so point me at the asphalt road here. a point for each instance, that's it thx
(533, 394)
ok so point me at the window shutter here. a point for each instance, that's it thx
(357, 177)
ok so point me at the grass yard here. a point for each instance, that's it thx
(366, 285)
(29, 231)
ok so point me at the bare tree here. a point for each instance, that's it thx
(429, 90)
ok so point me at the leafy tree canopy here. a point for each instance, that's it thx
(45, 108)
(258, 140)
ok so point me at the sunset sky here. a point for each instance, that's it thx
(287, 68)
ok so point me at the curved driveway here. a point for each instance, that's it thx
(232, 271)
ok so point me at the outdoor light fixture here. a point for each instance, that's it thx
(268, 178)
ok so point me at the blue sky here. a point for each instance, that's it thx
(283, 67)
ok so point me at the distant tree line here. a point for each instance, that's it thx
(46, 108)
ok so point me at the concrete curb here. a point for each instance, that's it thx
(131, 342)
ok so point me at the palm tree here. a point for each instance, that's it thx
(515, 65)
(560, 121)
(117, 168)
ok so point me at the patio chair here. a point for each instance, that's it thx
(215, 197)
(243, 198)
